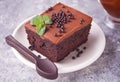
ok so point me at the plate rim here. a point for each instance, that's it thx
(78, 67)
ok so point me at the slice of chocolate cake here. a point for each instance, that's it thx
(68, 30)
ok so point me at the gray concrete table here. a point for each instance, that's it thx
(12, 12)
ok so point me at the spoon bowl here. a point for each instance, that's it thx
(47, 70)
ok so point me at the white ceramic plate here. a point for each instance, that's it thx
(95, 46)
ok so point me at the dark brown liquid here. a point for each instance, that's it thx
(112, 7)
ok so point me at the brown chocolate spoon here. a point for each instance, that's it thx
(44, 67)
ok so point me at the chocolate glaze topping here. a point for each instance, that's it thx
(63, 17)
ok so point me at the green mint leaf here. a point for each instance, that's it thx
(37, 20)
(40, 30)
(47, 19)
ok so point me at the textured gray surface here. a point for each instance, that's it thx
(12, 12)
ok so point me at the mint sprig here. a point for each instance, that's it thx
(47, 19)
(40, 23)
(37, 20)
(40, 30)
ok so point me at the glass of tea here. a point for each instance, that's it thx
(112, 7)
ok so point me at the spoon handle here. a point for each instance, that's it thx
(21, 49)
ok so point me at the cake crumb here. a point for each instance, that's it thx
(73, 57)
(31, 47)
(80, 52)
(78, 55)
(84, 48)
(77, 49)
(39, 56)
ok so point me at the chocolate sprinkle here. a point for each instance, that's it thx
(72, 17)
(62, 27)
(57, 35)
(81, 21)
(50, 9)
(62, 30)
(61, 18)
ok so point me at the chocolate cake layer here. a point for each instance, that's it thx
(58, 52)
